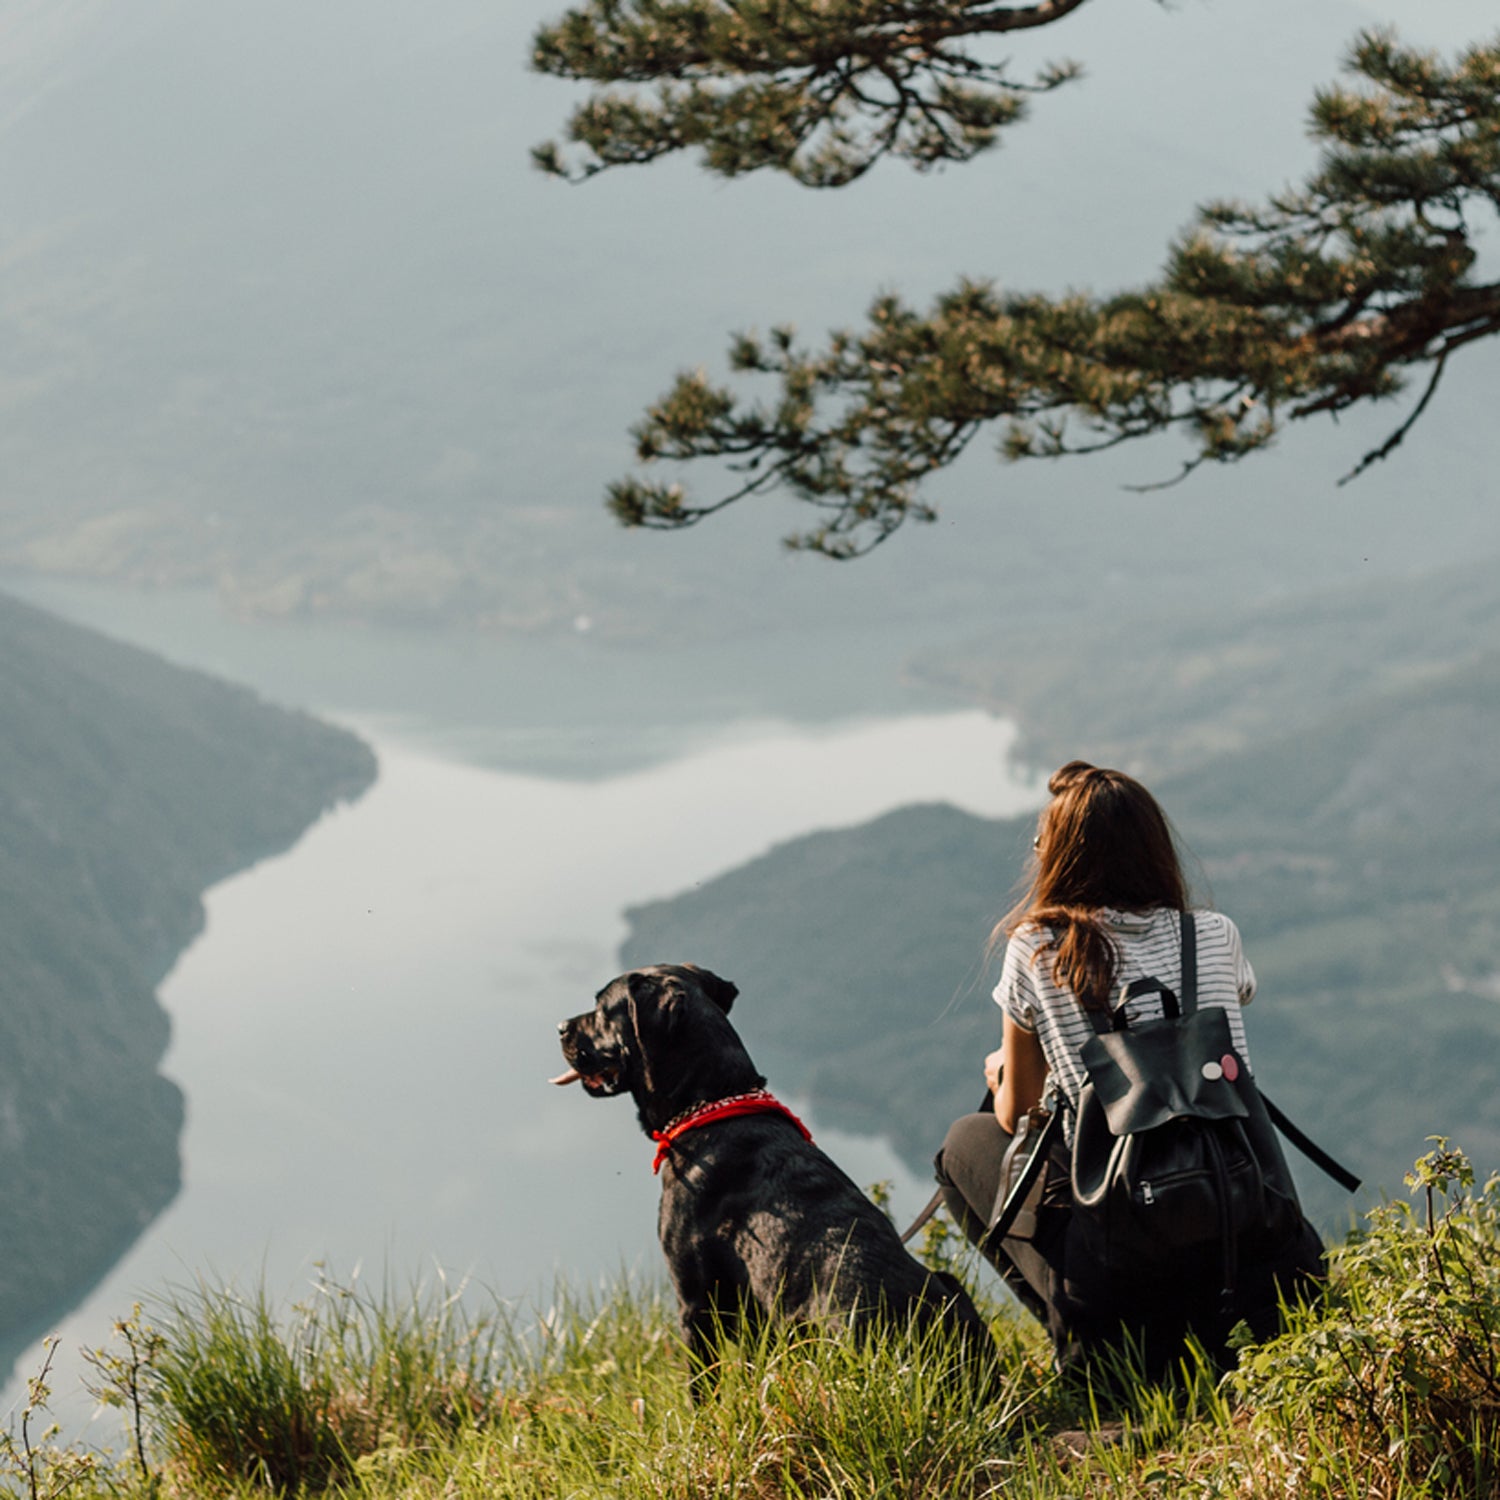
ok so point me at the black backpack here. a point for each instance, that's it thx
(1175, 1158)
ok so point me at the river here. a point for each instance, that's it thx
(363, 1030)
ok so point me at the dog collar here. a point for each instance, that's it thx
(756, 1102)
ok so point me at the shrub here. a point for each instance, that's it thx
(32, 1463)
(1401, 1365)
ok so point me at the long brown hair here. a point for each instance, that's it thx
(1102, 840)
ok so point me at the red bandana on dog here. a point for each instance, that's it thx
(756, 1102)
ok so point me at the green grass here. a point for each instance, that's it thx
(1388, 1389)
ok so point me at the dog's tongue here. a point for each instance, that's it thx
(571, 1076)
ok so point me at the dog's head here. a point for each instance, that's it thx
(661, 1034)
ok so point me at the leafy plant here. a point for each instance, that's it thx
(126, 1377)
(30, 1460)
(1402, 1365)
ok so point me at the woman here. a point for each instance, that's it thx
(1103, 908)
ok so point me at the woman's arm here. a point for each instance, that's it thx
(1023, 1076)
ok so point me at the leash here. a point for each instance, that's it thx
(931, 1207)
(936, 1201)
(756, 1102)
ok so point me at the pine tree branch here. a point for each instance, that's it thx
(1409, 333)
(1318, 300)
(784, 84)
(1395, 440)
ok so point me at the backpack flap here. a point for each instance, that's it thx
(1157, 1071)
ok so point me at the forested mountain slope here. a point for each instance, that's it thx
(1358, 854)
(1161, 690)
(127, 787)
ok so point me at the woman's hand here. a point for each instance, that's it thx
(992, 1069)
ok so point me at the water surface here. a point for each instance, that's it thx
(363, 1030)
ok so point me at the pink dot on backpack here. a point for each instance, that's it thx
(1231, 1066)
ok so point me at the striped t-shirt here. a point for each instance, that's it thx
(1146, 944)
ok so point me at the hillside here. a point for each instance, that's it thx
(1383, 1389)
(127, 787)
(1357, 854)
(1194, 684)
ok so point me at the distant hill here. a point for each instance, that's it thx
(127, 787)
(1359, 854)
(301, 323)
(1163, 690)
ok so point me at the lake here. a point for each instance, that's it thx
(364, 1028)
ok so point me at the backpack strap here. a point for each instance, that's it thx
(1189, 962)
(1310, 1148)
(1030, 1172)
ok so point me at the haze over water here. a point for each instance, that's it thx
(364, 1030)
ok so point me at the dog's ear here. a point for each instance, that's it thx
(720, 991)
(652, 998)
(655, 997)
(642, 987)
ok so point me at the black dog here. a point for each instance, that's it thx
(755, 1220)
